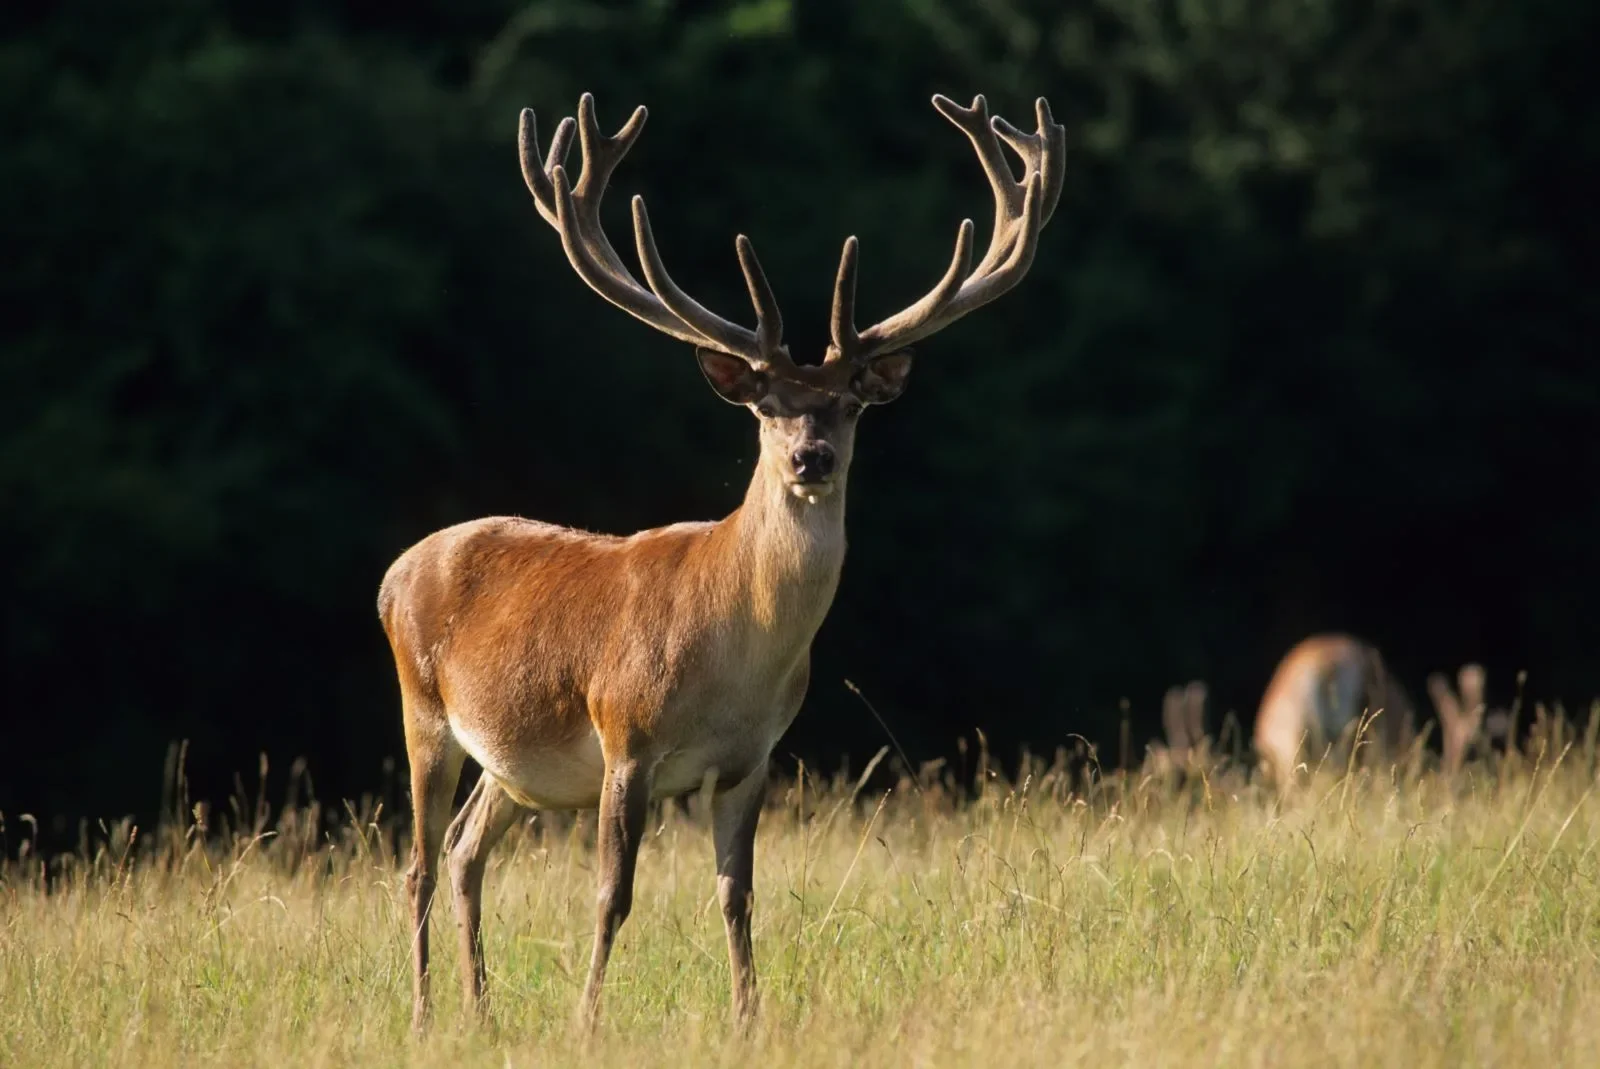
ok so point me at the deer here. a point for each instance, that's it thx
(587, 671)
(1328, 685)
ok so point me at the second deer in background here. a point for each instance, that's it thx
(1318, 698)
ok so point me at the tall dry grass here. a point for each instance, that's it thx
(1377, 918)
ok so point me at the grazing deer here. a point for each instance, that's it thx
(586, 671)
(1183, 722)
(1461, 715)
(1322, 689)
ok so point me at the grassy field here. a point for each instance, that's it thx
(1369, 921)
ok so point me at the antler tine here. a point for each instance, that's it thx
(769, 320)
(1042, 152)
(986, 287)
(624, 293)
(574, 210)
(1020, 211)
(532, 162)
(560, 144)
(908, 320)
(842, 323)
(601, 155)
(974, 121)
(976, 290)
(729, 337)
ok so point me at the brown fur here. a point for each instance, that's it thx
(1317, 697)
(535, 635)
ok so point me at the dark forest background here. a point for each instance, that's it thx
(1310, 344)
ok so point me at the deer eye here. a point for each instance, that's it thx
(852, 409)
(766, 410)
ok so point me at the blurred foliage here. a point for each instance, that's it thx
(1310, 343)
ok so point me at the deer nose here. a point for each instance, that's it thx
(813, 462)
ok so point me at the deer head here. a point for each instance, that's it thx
(808, 412)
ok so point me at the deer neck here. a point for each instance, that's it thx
(791, 552)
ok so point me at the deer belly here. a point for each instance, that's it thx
(725, 742)
(685, 770)
(565, 776)
(571, 776)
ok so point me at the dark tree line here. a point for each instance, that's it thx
(1310, 343)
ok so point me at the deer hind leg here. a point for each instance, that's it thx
(482, 822)
(623, 805)
(435, 768)
(734, 815)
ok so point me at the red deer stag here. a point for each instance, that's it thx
(587, 671)
(1321, 690)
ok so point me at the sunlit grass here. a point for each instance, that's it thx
(1366, 922)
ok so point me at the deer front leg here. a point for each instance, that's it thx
(623, 805)
(734, 814)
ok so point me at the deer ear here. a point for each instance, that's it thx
(734, 380)
(883, 379)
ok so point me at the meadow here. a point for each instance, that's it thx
(1068, 916)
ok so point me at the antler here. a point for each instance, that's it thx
(1020, 211)
(1461, 716)
(575, 213)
